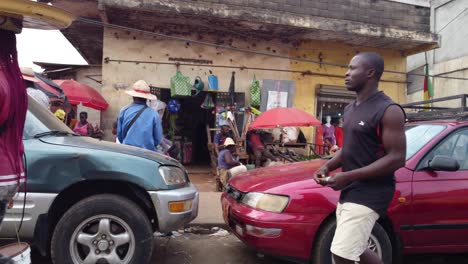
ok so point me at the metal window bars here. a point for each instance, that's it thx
(439, 108)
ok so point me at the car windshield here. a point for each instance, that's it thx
(417, 136)
(40, 120)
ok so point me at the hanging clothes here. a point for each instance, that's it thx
(319, 140)
(208, 102)
(339, 135)
(232, 94)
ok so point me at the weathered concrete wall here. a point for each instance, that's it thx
(386, 24)
(120, 76)
(415, 97)
(448, 87)
(128, 46)
(415, 83)
(94, 116)
(380, 12)
(444, 87)
(338, 53)
(377, 12)
(424, 3)
(449, 19)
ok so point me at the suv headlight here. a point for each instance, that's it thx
(267, 202)
(172, 175)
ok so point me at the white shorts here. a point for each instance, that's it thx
(354, 224)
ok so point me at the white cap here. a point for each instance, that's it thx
(229, 142)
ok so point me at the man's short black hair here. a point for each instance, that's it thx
(85, 114)
(375, 61)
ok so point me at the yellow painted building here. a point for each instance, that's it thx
(308, 87)
(145, 39)
(133, 56)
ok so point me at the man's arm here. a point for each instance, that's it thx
(215, 141)
(394, 141)
(331, 165)
(230, 160)
(335, 162)
(216, 146)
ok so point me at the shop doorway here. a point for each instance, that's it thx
(191, 122)
(331, 101)
(190, 133)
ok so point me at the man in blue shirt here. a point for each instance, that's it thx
(138, 125)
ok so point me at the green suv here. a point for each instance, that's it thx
(90, 201)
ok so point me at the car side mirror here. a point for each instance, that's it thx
(443, 163)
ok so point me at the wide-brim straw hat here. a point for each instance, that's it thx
(141, 89)
(16, 14)
(28, 74)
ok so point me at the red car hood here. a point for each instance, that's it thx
(279, 179)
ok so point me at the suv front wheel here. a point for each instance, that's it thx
(104, 228)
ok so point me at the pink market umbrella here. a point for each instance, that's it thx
(81, 93)
(284, 117)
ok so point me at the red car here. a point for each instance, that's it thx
(282, 211)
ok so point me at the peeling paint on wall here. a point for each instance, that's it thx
(159, 75)
(306, 86)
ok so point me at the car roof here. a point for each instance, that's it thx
(452, 122)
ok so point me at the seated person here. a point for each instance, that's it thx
(83, 127)
(221, 136)
(258, 148)
(228, 162)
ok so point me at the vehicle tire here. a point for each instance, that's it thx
(103, 227)
(321, 252)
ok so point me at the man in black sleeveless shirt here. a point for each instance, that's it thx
(374, 148)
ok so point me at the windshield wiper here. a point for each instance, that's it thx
(55, 133)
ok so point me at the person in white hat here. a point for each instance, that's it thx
(228, 164)
(138, 125)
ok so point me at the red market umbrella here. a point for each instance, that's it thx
(284, 117)
(81, 93)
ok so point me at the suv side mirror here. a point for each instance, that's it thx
(443, 163)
